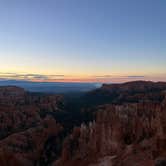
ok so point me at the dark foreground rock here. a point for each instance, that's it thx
(115, 125)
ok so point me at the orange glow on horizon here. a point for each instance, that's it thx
(81, 78)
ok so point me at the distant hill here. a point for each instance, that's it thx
(134, 92)
(51, 87)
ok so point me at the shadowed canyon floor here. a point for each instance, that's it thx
(115, 125)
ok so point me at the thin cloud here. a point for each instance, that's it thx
(69, 78)
(103, 76)
(118, 76)
(33, 77)
(136, 76)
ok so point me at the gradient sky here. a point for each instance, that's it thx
(86, 40)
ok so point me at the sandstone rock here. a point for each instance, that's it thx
(132, 132)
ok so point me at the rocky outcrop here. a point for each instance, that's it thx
(27, 147)
(10, 95)
(131, 92)
(119, 136)
(20, 110)
(128, 128)
(26, 125)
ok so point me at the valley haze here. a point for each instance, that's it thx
(51, 87)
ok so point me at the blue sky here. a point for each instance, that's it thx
(83, 38)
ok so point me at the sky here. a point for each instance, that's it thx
(83, 40)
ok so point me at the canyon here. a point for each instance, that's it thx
(115, 125)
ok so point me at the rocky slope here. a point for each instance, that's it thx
(129, 130)
(26, 126)
(126, 135)
(130, 92)
(115, 125)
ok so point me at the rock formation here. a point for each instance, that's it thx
(122, 125)
(24, 131)
(120, 136)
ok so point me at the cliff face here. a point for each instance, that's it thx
(131, 92)
(119, 136)
(36, 129)
(26, 126)
(10, 95)
(28, 147)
